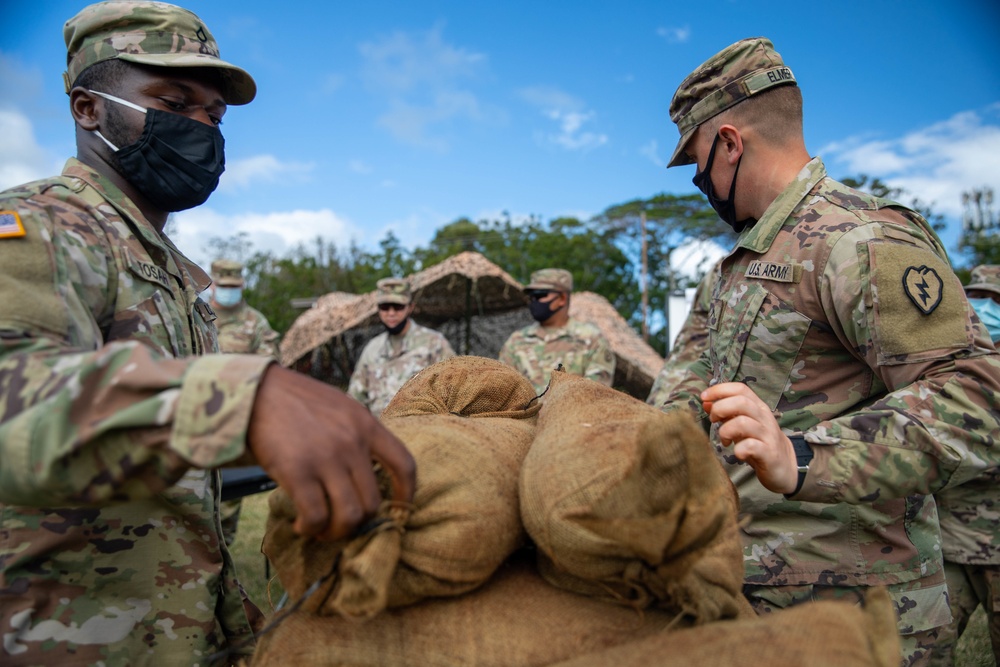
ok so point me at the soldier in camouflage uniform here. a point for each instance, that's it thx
(241, 330)
(557, 338)
(970, 513)
(846, 377)
(691, 343)
(397, 354)
(111, 421)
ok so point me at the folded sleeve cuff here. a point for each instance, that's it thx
(213, 412)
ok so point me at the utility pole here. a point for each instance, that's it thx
(644, 280)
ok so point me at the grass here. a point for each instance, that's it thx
(251, 566)
(974, 648)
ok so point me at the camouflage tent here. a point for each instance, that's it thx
(474, 303)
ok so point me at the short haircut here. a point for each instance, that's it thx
(776, 115)
(103, 76)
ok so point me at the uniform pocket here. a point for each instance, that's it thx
(758, 340)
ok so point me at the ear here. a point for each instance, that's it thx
(86, 109)
(731, 143)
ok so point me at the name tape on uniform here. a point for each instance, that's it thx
(782, 273)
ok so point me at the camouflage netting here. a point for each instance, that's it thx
(474, 303)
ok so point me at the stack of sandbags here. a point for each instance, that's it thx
(516, 620)
(818, 634)
(464, 520)
(629, 505)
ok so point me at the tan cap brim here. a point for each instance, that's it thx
(680, 158)
(239, 86)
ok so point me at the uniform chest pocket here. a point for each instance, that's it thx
(756, 339)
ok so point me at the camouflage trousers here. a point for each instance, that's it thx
(968, 587)
(921, 606)
(230, 514)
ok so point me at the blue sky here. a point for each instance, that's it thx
(404, 116)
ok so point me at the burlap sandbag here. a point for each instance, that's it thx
(463, 523)
(629, 504)
(515, 620)
(464, 386)
(817, 634)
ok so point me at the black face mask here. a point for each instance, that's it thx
(542, 311)
(395, 331)
(726, 208)
(176, 163)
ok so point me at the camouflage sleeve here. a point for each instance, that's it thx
(936, 425)
(357, 388)
(446, 352)
(691, 343)
(83, 422)
(266, 339)
(506, 354)
(601, 366)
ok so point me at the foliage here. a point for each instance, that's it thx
(671, 220)
(877, 187)
(980, 241)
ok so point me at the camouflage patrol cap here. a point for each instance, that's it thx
(393, 290)
(227, 273)
(559, 280)
(148, 33)
(734, 74)
(985, 277)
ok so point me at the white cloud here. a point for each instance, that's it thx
(935, 163)
(276, 232)
(652, 152)
(695, 257)
(570, 115)
(241, 174)
(425, 82)
(21, 158)
(359, 167)
(675, 35)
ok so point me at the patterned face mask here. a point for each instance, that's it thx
(176, 163)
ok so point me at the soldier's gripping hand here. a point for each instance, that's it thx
(749, 427)
(318, 444)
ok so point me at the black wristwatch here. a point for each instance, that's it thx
(803, 457)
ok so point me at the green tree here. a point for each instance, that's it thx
(980, 241)
(670, 221)
(877, 187)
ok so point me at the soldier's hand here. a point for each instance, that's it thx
(749, 427)
(318, 444)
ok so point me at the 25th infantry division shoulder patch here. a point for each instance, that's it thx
(923, 286)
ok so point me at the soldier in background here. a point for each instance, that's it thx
(846, 377)
(397, 354)
(970, 514)
(242, 330)
(556, 338)
(691, 343)
(115, 408)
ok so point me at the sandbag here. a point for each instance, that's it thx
(629, 504)
(818, 634)
(515, 620)
(463, 523)
(470, 386)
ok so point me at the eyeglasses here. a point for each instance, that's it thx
(391, 306)
(538, 294)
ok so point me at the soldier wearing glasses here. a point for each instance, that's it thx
(556, 338)
(396, 355)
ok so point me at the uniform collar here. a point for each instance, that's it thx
(174, 260)
(760, 237)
